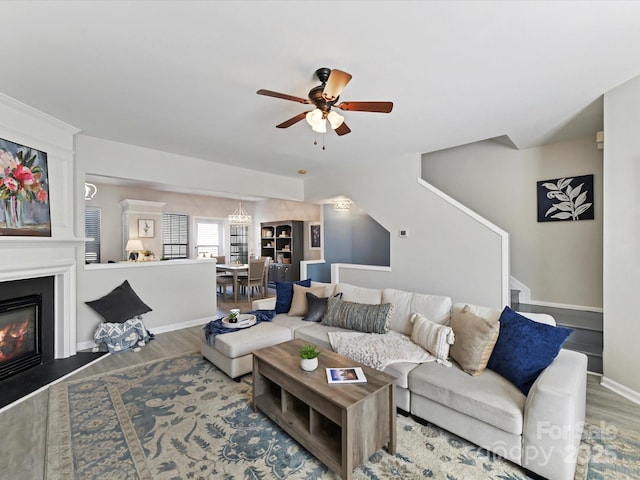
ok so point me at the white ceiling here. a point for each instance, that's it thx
(181, 76)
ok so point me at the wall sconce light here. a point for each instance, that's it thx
(90, 190)
(342, 206)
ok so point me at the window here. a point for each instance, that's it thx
(92, 232)
(175, 235)
(209, 235)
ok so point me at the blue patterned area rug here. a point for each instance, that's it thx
(181, 418)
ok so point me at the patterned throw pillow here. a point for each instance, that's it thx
(475, 339)
(434, 338)
(358, 316)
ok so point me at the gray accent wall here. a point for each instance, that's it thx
(351, 237)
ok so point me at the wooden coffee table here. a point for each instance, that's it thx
(342, 425)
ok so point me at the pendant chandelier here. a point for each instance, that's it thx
(239, 216)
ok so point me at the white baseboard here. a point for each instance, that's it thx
(616, 387)
(155, 330)
(178, 326)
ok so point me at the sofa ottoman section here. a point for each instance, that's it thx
(231, 352)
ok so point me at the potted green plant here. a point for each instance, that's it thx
(309, 357)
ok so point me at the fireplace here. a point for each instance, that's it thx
(26, 324)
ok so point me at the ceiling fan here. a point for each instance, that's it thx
(324, 97)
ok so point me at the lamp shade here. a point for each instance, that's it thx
(134, 245)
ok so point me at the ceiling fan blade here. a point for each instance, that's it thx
(292, 120)
(381, 107)
(343, 129)
(284, 96)
(335, 84)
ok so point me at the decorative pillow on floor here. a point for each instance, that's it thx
(475, 339)
(299, 304)
(363, 317)
(525, 348)
(317, 307)
(284, 294)
(119, 305)
(434, 338)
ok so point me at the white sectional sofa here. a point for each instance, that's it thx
(540, 431)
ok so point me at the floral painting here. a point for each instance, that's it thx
(24, 191)
(563, 199)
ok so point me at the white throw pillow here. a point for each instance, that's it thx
(434, 338)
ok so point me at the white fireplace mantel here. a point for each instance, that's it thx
(57, 256)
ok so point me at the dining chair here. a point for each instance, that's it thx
(255, 277)
(223, 281)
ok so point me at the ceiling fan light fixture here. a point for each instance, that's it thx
(321, 127)
(335, 119)
(314, 117)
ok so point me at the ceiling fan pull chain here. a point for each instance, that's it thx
(323, 141)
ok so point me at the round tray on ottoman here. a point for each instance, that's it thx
(244, 320)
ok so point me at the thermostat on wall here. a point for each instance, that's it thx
(404, 233)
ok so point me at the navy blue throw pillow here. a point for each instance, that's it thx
(284, 294)
(525, 348)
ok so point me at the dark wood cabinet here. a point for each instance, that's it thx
(283, 242)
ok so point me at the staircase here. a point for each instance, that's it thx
(587, 329)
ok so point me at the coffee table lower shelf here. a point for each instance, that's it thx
(341, 425)
(309, 428)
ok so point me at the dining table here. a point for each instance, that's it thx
(235, 269)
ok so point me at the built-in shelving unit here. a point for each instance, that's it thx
(283, 242)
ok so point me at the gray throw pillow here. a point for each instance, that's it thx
(317, 307)
(362, 317)
(119, 305)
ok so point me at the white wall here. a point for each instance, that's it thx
(181, 293)
(561, 262)
(119, 160)
(622, 237)
(447, 252)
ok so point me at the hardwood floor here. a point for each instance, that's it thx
(23, 426)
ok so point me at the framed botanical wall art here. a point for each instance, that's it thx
(565, 199)
(315, 241)
(24, 191)
(146, 228)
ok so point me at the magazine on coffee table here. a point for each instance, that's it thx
(346, 375)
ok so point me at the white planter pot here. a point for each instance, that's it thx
(309, 364)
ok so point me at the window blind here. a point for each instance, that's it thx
(92, 232)
(175, 235)
(208, 238)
